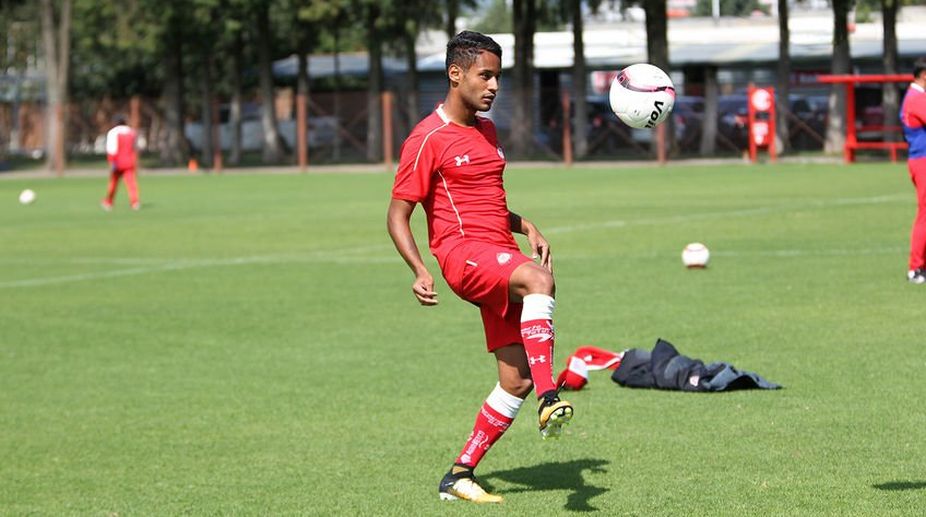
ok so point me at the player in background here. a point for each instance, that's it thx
(452, 165)
(913, 119)
(120, 152)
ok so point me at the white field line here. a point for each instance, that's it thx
(746, 212)
(342, 256)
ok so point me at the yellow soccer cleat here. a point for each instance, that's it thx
(464, 486)
(553, 415)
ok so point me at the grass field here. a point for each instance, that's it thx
(249, 345)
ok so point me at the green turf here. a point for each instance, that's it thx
(249, 345)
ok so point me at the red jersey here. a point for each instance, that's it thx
(913, 119)
(455, 172)
(120, 147)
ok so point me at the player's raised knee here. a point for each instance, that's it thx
(532, 279)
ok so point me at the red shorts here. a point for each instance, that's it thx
(479, 273)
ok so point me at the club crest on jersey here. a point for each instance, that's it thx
(500, 153)
(503, 258)
(461, 159)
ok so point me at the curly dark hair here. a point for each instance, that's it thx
(919, 66)
(463, 48)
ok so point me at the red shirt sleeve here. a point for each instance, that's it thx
(417, 163)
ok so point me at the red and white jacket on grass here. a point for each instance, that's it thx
(120, 148)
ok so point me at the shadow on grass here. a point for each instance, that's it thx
(556, 476)
(901, 485)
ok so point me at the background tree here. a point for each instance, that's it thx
(452, 8)
(371, 12)
(56, 42)
(208, 36)
(579, 74)
(410, 18)
(273, 148)
(175, 148)
(841, 64)
(783, 110)
(19, 42)
(335, 16)
(657, 51)
(890, 101)
(728, 7)
(236, 42)
(527, 17)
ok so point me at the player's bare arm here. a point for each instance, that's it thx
(538, 243)
(397, 221)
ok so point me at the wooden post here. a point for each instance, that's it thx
(567, 130)
(135, 112)
(216, 137)
(59, 143)
(387, 130)
(302, 145)
(661, 143)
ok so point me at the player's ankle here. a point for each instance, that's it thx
(459, 470)
(547, 394)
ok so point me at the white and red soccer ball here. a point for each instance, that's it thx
(642, 96)
(696, 256)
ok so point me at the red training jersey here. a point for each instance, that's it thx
(120, 147)
(455, 172)
(913, 119)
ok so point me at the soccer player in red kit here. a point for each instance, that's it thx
(913, 119)
(452, 165)
(120, 152)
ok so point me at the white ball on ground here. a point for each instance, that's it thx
(27, 196)
(696, 256)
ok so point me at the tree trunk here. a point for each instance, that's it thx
(579, 84)
(411, 96)
(522, 117)
(56, 38)
(303, 89)
(657, 50)
(709, 124)
(453, 10)
(374, 88)
(784, 79)
(336, 108)
(273, 148)
(234, 109)
(890, 101)
(175, 150)
(836, 125)
(205, 157)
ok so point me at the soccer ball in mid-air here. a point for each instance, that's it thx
(642, 96)
(695, 256)
(27, 196)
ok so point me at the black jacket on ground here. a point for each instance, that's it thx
(666, 369)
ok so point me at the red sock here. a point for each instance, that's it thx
(493, 419)
(537, 336)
